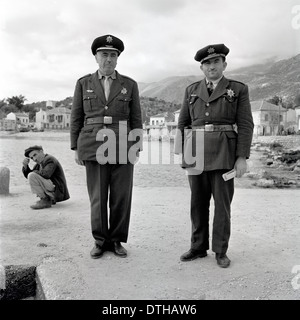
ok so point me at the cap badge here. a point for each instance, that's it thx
(211, 50)
(109, 39)
(124, 91)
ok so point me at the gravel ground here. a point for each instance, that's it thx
(264, 246)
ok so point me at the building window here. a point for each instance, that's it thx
(266, 117)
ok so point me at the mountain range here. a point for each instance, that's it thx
(280, 78)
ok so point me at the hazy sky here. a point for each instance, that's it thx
(45, 45)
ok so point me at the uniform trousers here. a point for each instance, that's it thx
(203, 186)
(110, 193)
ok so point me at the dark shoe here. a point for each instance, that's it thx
(41, 204)
(193, 254)
(222, 260)
(53, 201)
(97, 252)
(119, 250)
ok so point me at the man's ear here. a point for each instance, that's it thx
(201, 67)
(224, 64)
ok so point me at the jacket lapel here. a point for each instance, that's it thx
(96, 85)
(203, 93)
(219, 90)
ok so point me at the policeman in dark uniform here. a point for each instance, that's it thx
(106, 131)
(220, 109)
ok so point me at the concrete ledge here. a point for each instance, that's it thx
(58, 280)
(19, 282)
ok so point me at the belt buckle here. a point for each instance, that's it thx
(107, 120)
(209, 127)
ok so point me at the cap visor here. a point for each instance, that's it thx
(107, 48)
(214, 55)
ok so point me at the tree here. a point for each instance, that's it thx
(275, 100)
(280, 101)
(2, 103)
(17, 101)
(9, 108)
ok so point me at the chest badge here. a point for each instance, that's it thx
(230, 95)
(124, 91)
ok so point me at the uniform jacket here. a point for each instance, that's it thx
(89, 102)
(228, 104)
(50, 168)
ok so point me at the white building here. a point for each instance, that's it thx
(158, 120)
(297, 111)
(176, 114)
(21, 120)
(268, 118)
(57, 118)
(161, 126)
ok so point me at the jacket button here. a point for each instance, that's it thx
(106, 107)
(207, 113)
(207, 104)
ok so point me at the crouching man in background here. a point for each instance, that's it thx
(46, 179)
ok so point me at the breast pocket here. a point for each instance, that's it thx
(89, 102)
(229, 109)
(197, 109)
(123, 104)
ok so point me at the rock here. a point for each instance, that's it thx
(296, 170)
(4, 180)
(265, 183)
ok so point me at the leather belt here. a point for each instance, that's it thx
(215, 127)
(104, 120)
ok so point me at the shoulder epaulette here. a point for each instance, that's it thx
(122, 75)
(87, 75)
(194, 83)
(231, 80)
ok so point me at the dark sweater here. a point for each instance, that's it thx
(50, 168)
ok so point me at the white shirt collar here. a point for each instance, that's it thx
(215, 82)
(113, 75)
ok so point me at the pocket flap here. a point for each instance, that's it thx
(89, 96)
(125, 99)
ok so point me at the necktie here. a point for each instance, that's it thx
(106, 87)
(210, 87)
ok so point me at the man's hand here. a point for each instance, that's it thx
(79, 162)
(26, 162)
(240, 166)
